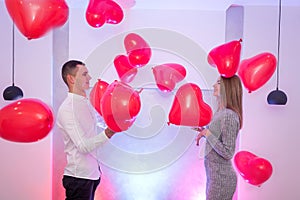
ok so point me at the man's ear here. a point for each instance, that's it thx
(70, 79)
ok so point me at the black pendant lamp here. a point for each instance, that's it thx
(277, 97)
(13, 92)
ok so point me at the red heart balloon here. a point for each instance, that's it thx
(188, 107)
(260, 170)
(241, 161)
(120, 105)
(226, 58)
(125, 70)
(96, 94)
(138, 50)
(100, 12)
(133, 41)
(167, 75)
(25, 120)
(257, 70)
(139, 57)
(253, 169)
(35, 17)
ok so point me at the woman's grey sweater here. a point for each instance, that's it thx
(219, 150)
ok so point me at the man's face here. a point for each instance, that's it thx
(82, 78)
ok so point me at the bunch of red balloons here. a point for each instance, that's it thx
(118, 103)
(26, 120)
(254, 72)
(255, 170)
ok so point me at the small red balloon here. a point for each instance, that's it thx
(25, 120)
(241, 161)
(133, 41)
(139, 57)
(188, 108)
(257, 70)
(125, 70)
(100, 12)
(260, 170)
(138, 50)
(226, 58)
(96, 94)
(34, 18)
(167, 75)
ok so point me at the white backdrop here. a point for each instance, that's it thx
(269, 131)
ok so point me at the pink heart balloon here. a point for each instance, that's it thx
(257, 70)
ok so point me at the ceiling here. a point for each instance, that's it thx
(191, 4)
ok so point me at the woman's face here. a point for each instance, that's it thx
(217, 88)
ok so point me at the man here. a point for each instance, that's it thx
(77, 121)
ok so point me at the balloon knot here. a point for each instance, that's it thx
(241, 40)
(140, 90)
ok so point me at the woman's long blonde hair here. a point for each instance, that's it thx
(231, 93)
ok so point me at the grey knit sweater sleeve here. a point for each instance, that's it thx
(224, 128)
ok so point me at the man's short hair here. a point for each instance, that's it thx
(69, 68)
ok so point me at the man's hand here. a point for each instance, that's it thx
(109, 133)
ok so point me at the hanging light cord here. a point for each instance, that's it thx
(13, 55)
(278, 44)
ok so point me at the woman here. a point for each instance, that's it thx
(221, 139)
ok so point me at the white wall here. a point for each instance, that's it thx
(269, 131)
(25, 169)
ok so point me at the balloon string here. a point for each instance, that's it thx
(278, 44)
(13, 55)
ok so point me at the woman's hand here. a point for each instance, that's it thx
(202, 133)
